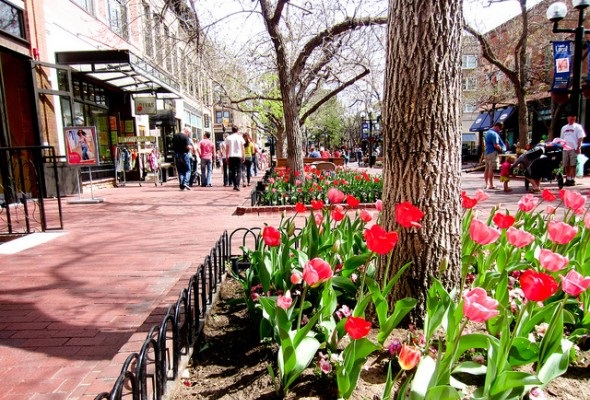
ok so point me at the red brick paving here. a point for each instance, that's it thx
(72, 309)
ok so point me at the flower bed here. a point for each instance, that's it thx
(523, 280)
(314, 185)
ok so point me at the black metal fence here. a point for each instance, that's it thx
(146, 374)
(24, 206)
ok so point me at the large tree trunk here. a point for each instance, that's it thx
(422, 142)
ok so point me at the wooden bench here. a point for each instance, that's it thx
(282, 162)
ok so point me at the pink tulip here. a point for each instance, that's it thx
(478, 306)
(550, 210)
(482, 234)
(480, 195)
(573, 200)
(574, 283)
(518, 237)
(319, 218)
(379, 205)
(528, 202)
(560, 232)
(285, 301)
(587, 221)
(296, 278)
(552, 261)
(366, 216)
(316, 271)
(335, 196)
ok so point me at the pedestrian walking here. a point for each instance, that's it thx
(234, 147)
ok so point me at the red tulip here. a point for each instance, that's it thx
(537, 286)
(408, 215)
(560, 232)
(468, 202)
(352, 201)
(357, 327)
(335, 196)
(317, 204)
(379, 240)
(482, 234)
(316, 271)
(271, 236)
(574, 283)
(503, 221)
(478, 306)
(300, 208)
(519, 238)
(409, 357)
(528, 202)
(552, 261)
(338, 213)
(547, 195)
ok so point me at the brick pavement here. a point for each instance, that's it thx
(72, 308)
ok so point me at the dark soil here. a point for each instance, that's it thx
(230, 363)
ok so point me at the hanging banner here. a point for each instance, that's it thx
(561, 63)
(81, 145)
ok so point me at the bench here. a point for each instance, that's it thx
(282, 162)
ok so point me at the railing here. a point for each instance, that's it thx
(145, 374)
(24, 208)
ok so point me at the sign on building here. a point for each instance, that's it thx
(145, 106)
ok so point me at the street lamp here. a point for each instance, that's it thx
(555, 13)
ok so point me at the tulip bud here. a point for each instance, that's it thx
(291, 229)
(336, 246)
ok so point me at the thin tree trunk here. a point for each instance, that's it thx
(422, 142)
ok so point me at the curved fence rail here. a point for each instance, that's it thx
(145, 374)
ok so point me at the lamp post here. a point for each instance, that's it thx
(555, 13)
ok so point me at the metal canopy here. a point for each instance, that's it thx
(121, 69)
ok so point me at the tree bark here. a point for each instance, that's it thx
(422, 142)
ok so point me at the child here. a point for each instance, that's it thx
(505, 172)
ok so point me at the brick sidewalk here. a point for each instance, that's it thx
(72, 308)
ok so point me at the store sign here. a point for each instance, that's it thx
(145, 106)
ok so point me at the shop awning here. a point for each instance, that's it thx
(502, 114)
(481, 123)
(121, 69)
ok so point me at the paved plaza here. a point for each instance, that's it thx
(74, 303)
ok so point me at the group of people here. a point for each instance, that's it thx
(571, 137)
(237, 155)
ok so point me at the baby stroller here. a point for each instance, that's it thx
(541, 163)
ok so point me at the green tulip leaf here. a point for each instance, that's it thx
(443, 393)
(345, 285)
(556, 364)
(508, 380)
(471, 368)
(401, 309)
(354, 357)
(351, 264)
(299, 360)
(388, 384)
(438, 302)
(424, 373)
(523, 352)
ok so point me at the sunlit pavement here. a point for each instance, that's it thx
(75, 304)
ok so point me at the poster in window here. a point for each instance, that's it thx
(81, 145)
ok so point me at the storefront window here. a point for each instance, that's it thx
(85, 4)
(11, 20)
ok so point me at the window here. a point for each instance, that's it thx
(86, 5)
(118, 18)
(469, 61)
(219, 118)
(468, 84)
(469, 108)
(168, 48)
(158, 36)
(148, 38)
(11, 20)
